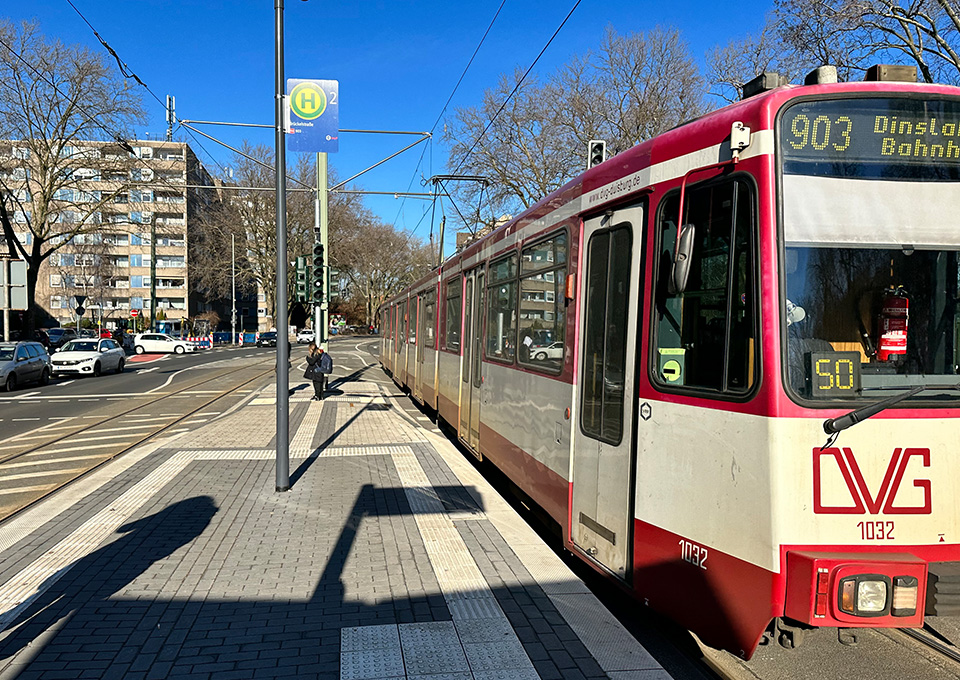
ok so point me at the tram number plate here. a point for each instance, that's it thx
(694, 554)
(875, 531)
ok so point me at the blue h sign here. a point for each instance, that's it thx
(313, 110)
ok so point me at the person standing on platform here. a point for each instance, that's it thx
(320, 365)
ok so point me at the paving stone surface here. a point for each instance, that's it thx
(380, 562)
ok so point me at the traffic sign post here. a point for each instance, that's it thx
(13, 290)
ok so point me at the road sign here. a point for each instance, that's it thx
(80, 310)
(13, 284)
(79, 299)
(134, 312)
(313, 115)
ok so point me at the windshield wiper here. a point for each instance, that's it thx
(834, 425)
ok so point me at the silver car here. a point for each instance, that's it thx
(23, 362)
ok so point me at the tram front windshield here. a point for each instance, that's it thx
(871, 234)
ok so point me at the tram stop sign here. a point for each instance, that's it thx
(313, 115)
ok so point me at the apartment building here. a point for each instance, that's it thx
(136, 209)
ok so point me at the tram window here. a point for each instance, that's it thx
(706, 335)
(430, 319)
(605, 335)
(502, 310)
(453, 315)
(543, 274)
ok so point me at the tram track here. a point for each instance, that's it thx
(94, 456)
(930, 639)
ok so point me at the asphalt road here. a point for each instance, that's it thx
(145, 378)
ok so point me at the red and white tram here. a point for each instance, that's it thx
(725, 361)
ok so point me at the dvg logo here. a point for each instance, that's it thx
(881, 500)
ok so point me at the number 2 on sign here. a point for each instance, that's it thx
(694, 554)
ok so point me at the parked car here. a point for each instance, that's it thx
(23, 362)
(551, 351)
(89, 357)
(161, 342)
(304, 336)
(87, 333)
(61, 336)
(268, 339)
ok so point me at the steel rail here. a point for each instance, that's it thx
(127, 447)
(107, 419)
(928, 640)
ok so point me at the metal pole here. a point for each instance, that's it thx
(283, 376)
(322, 195)
(233, 297)
(319, 332)
(153, 276)
(5, 279)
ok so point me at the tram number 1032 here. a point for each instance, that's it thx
(693, 553)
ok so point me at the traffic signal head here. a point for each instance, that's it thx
(596, 152)
(318, 273)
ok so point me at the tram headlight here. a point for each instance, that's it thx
(865, 595)
(871, 596)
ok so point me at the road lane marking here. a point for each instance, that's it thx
(26, 489)
(35, 463)
(34, 475)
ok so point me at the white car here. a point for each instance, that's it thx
(304, 336)
(161, 342)
(552, 351)
(89, 357)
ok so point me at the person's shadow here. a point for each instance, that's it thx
(96, 577)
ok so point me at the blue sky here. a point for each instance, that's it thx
(397, 63)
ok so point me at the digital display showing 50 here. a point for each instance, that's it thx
(834, 374)
(863, 131)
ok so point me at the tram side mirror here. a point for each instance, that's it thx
(680, 269)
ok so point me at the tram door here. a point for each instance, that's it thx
(418, 362)
(471, 379)
(603, 452)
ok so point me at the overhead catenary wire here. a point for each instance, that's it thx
(87, 116)
(450, 99)
(127, 72)
(517, 86)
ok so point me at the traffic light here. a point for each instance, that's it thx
(318, 273)
(334, 283)
(302, 280)
(596, 152)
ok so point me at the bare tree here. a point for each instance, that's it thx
(247, 213)
(86, 267)
(377, 261)
(636, 86)
(53, 98)
(852, 35)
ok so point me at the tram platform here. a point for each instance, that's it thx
(389, 557)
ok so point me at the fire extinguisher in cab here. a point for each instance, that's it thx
(894, 318)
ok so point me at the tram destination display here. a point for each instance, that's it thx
(889, 138)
